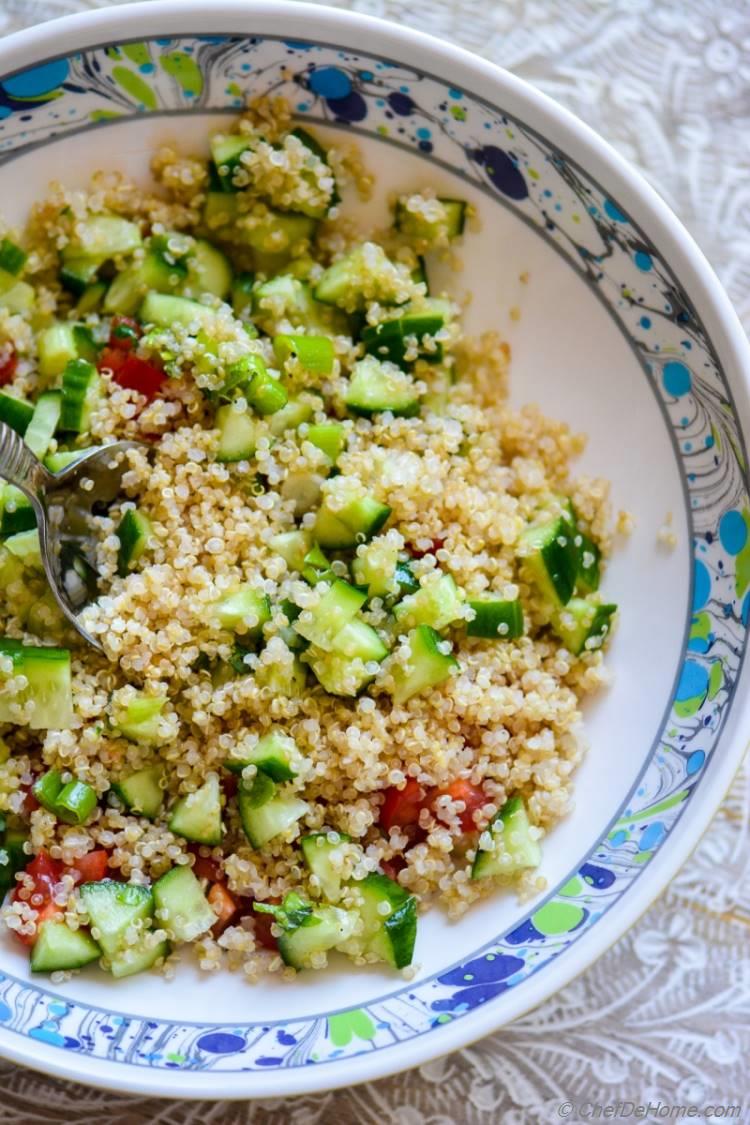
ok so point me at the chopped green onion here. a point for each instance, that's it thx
(315, 353)
(75, 803)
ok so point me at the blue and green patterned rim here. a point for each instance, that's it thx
(515, 166)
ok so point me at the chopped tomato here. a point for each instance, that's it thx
(205, 867)
(418, 553)
(45, 873)
(461, 790)
(90, 868)
(44, 913)
(392, 866)
(401, 806)
(262, 925)
(30, 803)
(124, 333)
(230, 784)
(134, 373)
(224, 905)
(8, 364)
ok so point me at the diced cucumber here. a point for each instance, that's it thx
(15, 412)
(166, 309)
(181, 906)
(496, 619)
(359, 641)
(514, 847)
(58, 948)
(285, 678)
(266, 814)
(17, 511)
(141, 793)
(60, 460)
(323, 855)
(449, 223)
(583, 625)
(338, 674)
(41, 428)
(238, 434)
(81, 391)
(311, 143)
(208, 272)
(376, 387)
(294, 414)
(426, 667)
(197, 816)
(358, 520)
(76, 274)
(16, 296)
(437, 603)
(589, 564)
(134, 531)
(244, 608)
(48, 686)
(138, 720)
(321, 624)
(330, 437)
(274, 754)
(390, 935)
(316, 567)
(314, 353)
(226, 151)
(113, 908)
(275, 232)
(12, 257)
(293, 547)
(242, 292)
(394, 339)
(374, 566)
(220, 210)
(102, 236)
(139, 957)
(365, 269)
(12, 858)
(334, 926)
(56, 346)
(550, 558)
(91, 298)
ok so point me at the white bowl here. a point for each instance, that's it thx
(624, 332)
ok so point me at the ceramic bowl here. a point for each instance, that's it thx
(619, 327)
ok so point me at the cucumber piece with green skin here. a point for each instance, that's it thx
(240, 607)
(365, 269)
(583, 625)
(102, 236)
(294, 414)
(514, 848)
(12, 257)
(389, 936)
(13, 858)
(496, 619)
(141, 793)
(76, 274)
(321, 624)
(316, 567)
(376, 387)
(392, 339)
(208, 271)
(181, 906)
(166, 309)
(266, 814)
(334, 927)
(113, 908)
(374, 566)
(58, 948)
(219, 212)
(130, 286)
(139, 957)
(134, 531)
(276, 232)
(426, 666)
(41, 428)
(314, 353)
(197, 816)
(17, 511)
(355, 522)
(293, 547)
(242, 294)
(323, 855)
(226, 151)
(438, 603)
(138, 721)
(310, 142)
(274, 754)
(91, 297)
(16, 296)
(588, 575)
(60, 460)
(359, 641)
(47, 672)
(15, 412)
(238, 434)
(550, 558)
(451, 223)
(81, 391)
(329, 437)
(337, 674)
(56, 346)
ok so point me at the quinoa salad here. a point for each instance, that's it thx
(349, 599)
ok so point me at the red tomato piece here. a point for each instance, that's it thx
(136, 374)
(44, 913)
(205, 867)
(124, 333)
(401, 806)
(30, 803)
(416, 553)
(8, 364)
(90, 868)
(262, 926)
(224, 904)
(461, 790)
(392, 866)
(45, 873)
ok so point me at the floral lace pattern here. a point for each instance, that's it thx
(665, 1015)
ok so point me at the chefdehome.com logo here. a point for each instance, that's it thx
(645, 1111)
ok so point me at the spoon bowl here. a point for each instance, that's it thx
(66, 504)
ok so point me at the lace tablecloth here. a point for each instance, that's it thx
(664, 1016)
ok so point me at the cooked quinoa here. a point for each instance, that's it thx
(335, 605)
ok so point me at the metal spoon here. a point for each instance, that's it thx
(64, 512)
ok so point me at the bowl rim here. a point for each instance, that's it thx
(485, 80)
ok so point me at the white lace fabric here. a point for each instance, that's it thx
(664, 1016)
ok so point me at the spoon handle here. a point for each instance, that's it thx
(19, 466)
